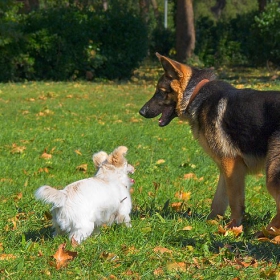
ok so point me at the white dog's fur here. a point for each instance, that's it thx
(83, 206)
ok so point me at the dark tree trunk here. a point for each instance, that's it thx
(262, 4)
(185, 32)
(218, 8)
(29, 5)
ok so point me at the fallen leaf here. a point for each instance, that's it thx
(7, 257)
(176, 206)
(236, 231)
(160, 161)
(17, 149)
(177, 266)
(242, 263)
(46, 156)
(82, 167)
(162, 250)
(63, 256)
(158, 271)
(187, 228)
(190, 176)
(78, 152)
(183, 195)
(156, 185)
(109, 256)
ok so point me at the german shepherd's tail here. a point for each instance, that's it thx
(48, 194)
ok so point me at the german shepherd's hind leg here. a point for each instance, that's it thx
(273, 176)
(220, 201)
(234, 172)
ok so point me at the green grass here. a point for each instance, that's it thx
(71, 121)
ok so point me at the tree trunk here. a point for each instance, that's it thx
(218, 8)
(144, 9)
(262, 4)
(29, 5)
(155, 7)
(185, 32)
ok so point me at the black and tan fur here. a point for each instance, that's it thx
(238, 128)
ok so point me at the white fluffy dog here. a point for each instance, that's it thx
(83, 206)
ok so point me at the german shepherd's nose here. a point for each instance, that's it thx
(143, 111)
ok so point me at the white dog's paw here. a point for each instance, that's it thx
(128, 225)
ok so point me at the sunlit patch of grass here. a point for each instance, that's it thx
(174, 184)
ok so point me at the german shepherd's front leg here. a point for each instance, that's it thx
(220, 201)
(231, 188)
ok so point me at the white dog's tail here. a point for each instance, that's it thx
(50, 195)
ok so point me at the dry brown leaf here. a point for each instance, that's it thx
(109, 256)
(82, 167)
(17, 149)
(190, 176)
(46, 156)
(156, 185)
(177, 266)
(18, 196)
(183, 195)
(250, 262)
(237, 230)
(221, 230)
(162, 250)
(7, 257)
(176, 206)
(158, 271)
(63, 256)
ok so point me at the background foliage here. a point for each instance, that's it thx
(62, 41)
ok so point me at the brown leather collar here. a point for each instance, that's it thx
(196, 90)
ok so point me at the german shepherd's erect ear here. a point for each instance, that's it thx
(172, 68)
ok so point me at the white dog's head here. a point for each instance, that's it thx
(114, 163)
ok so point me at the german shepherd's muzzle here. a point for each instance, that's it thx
(238, 128)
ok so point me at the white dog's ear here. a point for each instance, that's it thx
(117, 158)
(99, 158)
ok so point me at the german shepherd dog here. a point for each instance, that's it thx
(238, 128)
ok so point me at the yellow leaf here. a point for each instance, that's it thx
(78, 152)
(183, 195)
(190, 176)
(82, 167)
(187, 228)
(177, 266)
(7, 257)
(162, 250)
(160, 161)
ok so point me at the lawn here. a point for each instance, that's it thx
(49, 132)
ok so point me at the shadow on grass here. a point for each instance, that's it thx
(35, 235)
(214, 243)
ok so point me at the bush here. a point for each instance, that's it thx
(224, 42)
(64, 43)
(123, 44)
(162, 41)
(266, 44)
